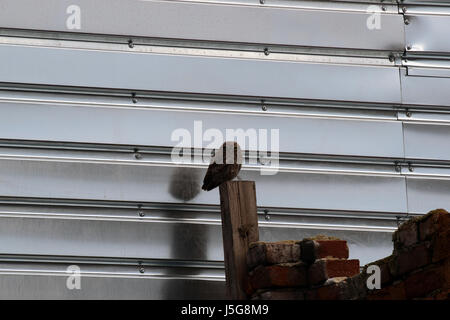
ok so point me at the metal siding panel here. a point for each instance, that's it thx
(111, 232)
(118, 239)
(207, 75)
(43, 179)
(152, 240)
(425, 90)
(418, 32)
(137, 126)
(427, 141)
(427, 194)
(36, 286)
(210, 21)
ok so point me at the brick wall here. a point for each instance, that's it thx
(319, 269)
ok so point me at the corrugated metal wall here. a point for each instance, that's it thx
(91, 91)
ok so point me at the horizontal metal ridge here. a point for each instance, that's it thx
(114, 261)
(113, 234)
(161, 156)
(151, 157)
(191, 214)
(120, 41)
(427, 8)
(60, 95)
(94, 269)
(138, 101)
(192, 51)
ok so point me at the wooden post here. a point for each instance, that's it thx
(239, 229)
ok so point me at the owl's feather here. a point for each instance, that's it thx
(223, 167)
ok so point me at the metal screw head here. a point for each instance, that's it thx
(141, 213)
(404, 9)
(138, 156)
(262, 1)
(141, 269)
(266, 51)
(391, 58)
(266, 215)
(383, 8)
(130, 43)
(264, 107)
(407, 21)
(397, 167)
(408, 114)
(408, 47)
(410, 168)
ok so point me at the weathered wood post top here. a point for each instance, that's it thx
(239, 229)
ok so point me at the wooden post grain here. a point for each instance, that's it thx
(239, 229)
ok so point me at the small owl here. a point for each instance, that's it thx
(225, 165)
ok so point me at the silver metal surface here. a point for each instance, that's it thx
(164, 236)
(421, 90)
(285, 23)
(87, 114)
(40, 280)
(207, 75)
(427, 141)
(425, 194)
(161, 183)
(418, 31)
(131, 125)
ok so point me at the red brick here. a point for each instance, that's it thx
(395, 291)
(281, 275)
(330, 292)
(323, 269)
(335, 289)
(421, 283)
(358, 284)
(312, 250)
(386, 276)
(406, 235)
(432, 223)
(441, 246)
(409, 260)
(267, 253)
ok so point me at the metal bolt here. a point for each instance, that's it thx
(138, 156)
(264, 107)
(391, 58)
(410, 167)
(262, 1)
(408, 113)
(408, 47)
(133, 97)
(141, 269)
(404, 9)
(130, 44)
(141, 213)
(407, 21)
(383, 8)
(266, 51)
(266, 215)
(397, 167)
